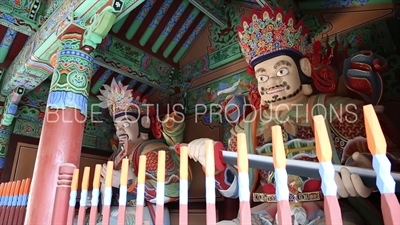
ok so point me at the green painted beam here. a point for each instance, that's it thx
(134, 73)
(191, 38)
(172, 22)
(154, 23)
(118, 25)
(10, 14)
(181, 32)
(133, 28)
(6, 43)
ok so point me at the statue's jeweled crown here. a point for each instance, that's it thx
(270, 31)
(120, 100)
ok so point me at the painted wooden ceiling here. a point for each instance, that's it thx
(12, 42)
(163, 29)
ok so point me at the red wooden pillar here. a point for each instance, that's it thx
(62, 131)
(63, 193)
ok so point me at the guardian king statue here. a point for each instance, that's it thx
(277, 50)
(141, 132)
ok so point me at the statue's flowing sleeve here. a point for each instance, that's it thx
(226, 177)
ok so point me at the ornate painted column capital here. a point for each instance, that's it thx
(72, 73)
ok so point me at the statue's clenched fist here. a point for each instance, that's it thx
(197, 150)
(351, 185)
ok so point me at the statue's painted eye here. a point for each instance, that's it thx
(125, 125)
(282, 72)
(262, 78)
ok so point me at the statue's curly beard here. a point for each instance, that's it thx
(277, 98)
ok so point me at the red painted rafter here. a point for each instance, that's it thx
(146, 22)
(187, 34)
(167, 17)
(175, 30)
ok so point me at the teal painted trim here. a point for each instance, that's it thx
(171, 24)
(83, 6)
(127, 9)
(212, 13)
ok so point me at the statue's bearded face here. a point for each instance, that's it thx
(127, 128)
(278, 79)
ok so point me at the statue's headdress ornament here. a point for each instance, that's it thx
(120, 100)
(268, 32)
(123, 101)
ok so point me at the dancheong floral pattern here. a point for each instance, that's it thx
(269, 31)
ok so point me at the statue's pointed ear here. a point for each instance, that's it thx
(305, 66)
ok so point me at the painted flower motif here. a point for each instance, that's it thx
(270, 31)
(269, 46)
(277, 37)
(269, 38)
(256, 27)
(264, 31)
(115, 96)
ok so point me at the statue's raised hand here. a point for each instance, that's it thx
(351, 185)
(197, 150)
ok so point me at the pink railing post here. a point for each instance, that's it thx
(108, 193)
(24, 203)
(63, 191)
(4, 200)
(140, 190)
(160, 188)
(332, 210)
(95, 195)
(281, 177)
(13, 204)
(18, 203)
(123, 191)
(183, 186)
(210, 183)
(8, 203)
(243, 179)
(382, 166)
(83, 197)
